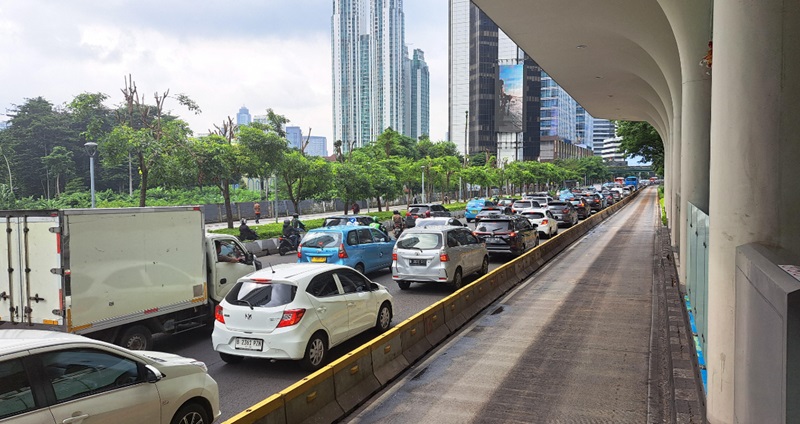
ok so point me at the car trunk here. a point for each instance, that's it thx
(257, 307)
(418, 253)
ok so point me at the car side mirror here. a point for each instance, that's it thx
(153, 374)
(374, 287)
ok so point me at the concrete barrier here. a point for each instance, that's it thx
(269, 411)
(454, 308)
(354, 378)
(482, 296)
(435, 328)
(312, 399)
(387, 355)
(413, 339)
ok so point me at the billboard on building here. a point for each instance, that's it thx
(509, 98)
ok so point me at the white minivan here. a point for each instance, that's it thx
(443, 254)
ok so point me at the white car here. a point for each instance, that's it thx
(441, 254)
(545, 221)
(298, 311)
(54, 377)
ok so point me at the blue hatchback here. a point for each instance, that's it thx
(364, 248)
(474, 206)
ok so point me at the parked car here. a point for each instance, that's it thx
(564, 212)
(442, 254)
(424, 210)
(441, 220)
(581, 206)
(474, 206)
(298, 312)
(545, 222)
(363, 248)
(507, 234)
(55, 377)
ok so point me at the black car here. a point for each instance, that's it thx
(424, 210)
(507, 234)
(581, 206)
(564, 212)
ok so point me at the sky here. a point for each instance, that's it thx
(223, 55)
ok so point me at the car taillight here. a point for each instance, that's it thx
(427, 214)
(512, 234)
(544, 222)
(218, 314)
(408, 213)
(299, 249)
(394, 256)
(342, 252)
(291, 317)
(443, 257)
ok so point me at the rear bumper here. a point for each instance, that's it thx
(280, 345)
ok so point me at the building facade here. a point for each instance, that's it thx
(243, 117)
(601, 130)
(418, 97)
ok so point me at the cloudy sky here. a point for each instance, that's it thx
(255, 53)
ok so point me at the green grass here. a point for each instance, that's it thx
(661, 204)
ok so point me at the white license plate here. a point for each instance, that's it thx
(417, 262)
(248, 344)
(494, 240)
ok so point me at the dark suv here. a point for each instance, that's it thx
(507, 234)
(564, 212)
(424, 210)
(581, 206)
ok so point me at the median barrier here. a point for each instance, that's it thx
(435, 329)
(482, 296)
(271, 410)
(453, 308)
(312, 399)
(353, 377)
(387, 355)
(413, 339)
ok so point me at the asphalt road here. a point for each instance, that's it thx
(245, 384)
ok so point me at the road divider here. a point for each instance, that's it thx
(387, 355)
(413, 339)
(354, 377)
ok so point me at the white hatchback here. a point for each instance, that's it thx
(53, 377)
(441, 254)
(298, 311)
(545, 221)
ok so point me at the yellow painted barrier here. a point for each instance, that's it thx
(312, 399)
(269, 411)
(387, 355)
(354, 378)
(482, 296)
(454, 307)
(413, 339)
(435, 329)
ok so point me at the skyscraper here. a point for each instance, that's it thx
(368, 79)
(243, 117)
(418, 97)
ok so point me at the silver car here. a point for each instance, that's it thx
(442, 254)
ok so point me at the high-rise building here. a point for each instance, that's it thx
(602, 129)
(609, 150)
(584, 127)
(243, 117)
(418, 97)
(458, 75)
(558, 112)
(317, 146)
(295, 137)
(368, 39)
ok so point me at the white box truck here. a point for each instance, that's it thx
(118, 275)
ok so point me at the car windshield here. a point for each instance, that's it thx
(423, 241)
(525, 204)
(264, 295)
(417, 209)
(490, 226)
(322, 239)
(533, 215)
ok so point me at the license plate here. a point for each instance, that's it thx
(494, 240)
(319, 259)
(474, 211)
(248, 344)
(417, 262)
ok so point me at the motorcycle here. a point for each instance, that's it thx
(397, 232)
(289, 244)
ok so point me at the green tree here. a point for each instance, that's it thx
(641, 139)
(303, 177)
(59, 162)
(350, 182)
(265, 149)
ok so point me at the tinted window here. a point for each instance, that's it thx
(378, 236)
(534, 215)
(364, 236)
(452, 241)
(418, 210)
(77, 373)
(489, 226)
(422, 241)
(323, 285)
(265, 295)
(15, 390)
(352, 238)
(321, 239)
(352, 282)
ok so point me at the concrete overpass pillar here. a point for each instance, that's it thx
(755, 161)
(675, 223)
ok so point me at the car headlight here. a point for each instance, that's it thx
(200, 364)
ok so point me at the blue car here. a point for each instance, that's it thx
(474, 206)
(363, 248)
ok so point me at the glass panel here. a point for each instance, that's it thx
(15, 390)
(76, 373)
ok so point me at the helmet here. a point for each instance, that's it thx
(295, 215)
(396, 212)
(287, 222)
(244, 221)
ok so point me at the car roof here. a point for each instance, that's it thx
(430, 229)
(337, 228)
(532, 210)
(291, 271)
(16, 340)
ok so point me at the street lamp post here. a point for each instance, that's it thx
(423, 184)
(91, 149)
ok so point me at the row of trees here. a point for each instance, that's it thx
(142, 145)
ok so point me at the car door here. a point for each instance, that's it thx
(330, 305)
(98, 386)
(383, 246)
(466, 251)
(18, 402)
(360, 304)
(227, 273)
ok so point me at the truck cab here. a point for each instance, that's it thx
(223, 271)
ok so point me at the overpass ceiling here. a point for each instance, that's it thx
(617, 58)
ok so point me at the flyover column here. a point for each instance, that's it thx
(755, 161)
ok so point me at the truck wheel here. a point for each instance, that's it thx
(136, 337)
(191, 413)
(230, 359)
(316, 352)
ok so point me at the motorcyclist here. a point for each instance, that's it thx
(297, 224)
(245, 232)
(397, 223)
(291, 233)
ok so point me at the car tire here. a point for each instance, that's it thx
(136, 337)
(360, 267)
(191, 413)
(231, 359)
(542, 234)
(484, 266)
(404, 285)
(316, 352)
(458, 282)
(384, 319)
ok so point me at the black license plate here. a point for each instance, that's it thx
(417, 262)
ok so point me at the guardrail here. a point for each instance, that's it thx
(338, 388)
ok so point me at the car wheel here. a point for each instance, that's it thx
(457, 281)
(231, 359)
(316, 352)
(404, 285)
(542, 234)
(384, 320)
(191, 413)
(360, 267)
(136, 337)
(484, 266)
